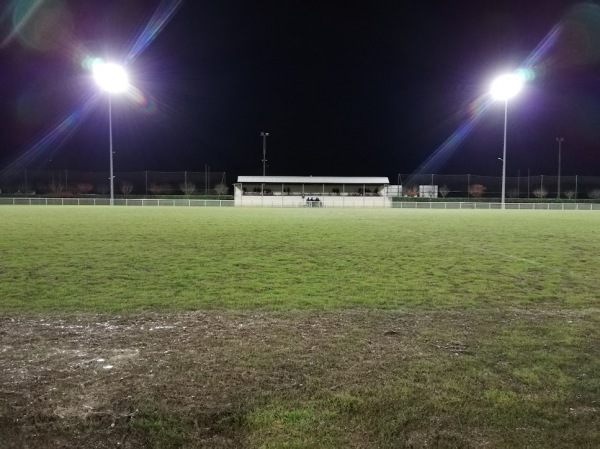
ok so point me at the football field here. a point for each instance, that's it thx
(209, 327)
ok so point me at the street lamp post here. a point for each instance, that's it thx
(560, 140)
(504, 88)
(111, 78)
(264, 135)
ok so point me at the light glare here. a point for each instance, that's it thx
(110, 77)
(506, 86)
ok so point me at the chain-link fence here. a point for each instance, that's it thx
(467, 186)
(66, 182)
(70, 182)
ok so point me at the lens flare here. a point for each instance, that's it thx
(163, 13)
(447, 149)
(536, 63)
(22, 13)
(52, 140)
(146, 103)
(581, 35)
(44, 25)
(89, 62)
(526, 74)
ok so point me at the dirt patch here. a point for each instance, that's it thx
(72, 380)
(190, 379)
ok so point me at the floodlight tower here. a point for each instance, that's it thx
(113, 79)
(504, 88)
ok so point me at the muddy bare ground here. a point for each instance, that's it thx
(127, 381)
(80, 380)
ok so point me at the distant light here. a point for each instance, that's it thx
(507, 86)
(109, 76)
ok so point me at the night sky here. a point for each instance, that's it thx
(344, 88)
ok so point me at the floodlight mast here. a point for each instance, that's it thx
(110, 149)
(112, 78)
(504, 88)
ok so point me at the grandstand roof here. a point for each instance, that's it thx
(313, 180)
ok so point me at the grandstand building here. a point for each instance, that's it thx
(311, 191)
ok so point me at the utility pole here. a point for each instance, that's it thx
(560, 140)
(264, 135)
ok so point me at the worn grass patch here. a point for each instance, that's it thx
(385, 379)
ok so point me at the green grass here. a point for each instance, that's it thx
(102, 259)
(285, 328)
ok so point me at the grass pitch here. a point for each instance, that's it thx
(177, 327)
(102, 259)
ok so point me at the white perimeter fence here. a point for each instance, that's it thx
(231, 203)
(117, 202)
(488, 206)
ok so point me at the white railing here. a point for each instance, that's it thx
(494, 206)
(16, 201)
(117, 202)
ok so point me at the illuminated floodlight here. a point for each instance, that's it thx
(504, 88)
(113, 79)
(110, 77)
(507, 86)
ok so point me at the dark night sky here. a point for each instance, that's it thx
(344, 88)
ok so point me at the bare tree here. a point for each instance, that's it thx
(126, 188)
(221, 189)
(83, 188)
(540, 193)
(155, 189)
(570, 194)
(411, 191)
(594, 194)
(187, 188)
(56, 188)
(477, 190)
(444, 191)
(513, 193)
